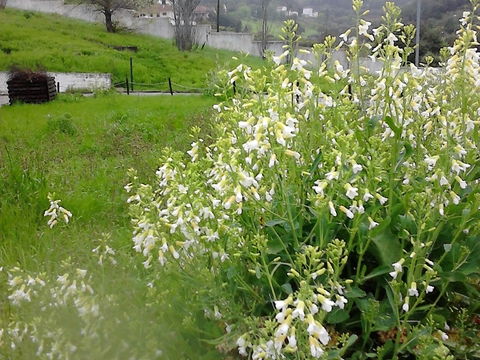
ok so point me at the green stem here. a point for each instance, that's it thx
(269, 276)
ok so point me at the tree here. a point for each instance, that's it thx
(184, 24)
(109, 7)
(264, 30)
(3, 4)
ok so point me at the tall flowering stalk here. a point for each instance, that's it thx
(317, 208)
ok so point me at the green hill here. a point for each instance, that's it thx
(58, 44)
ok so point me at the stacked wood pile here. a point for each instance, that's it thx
(31, 87)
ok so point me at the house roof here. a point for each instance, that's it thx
(157, 8)
(201, 9)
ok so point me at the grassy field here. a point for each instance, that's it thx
(54, 43)
(80, 148)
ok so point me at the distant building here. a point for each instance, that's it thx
(201, 12)
(308, 12)
(163, 9)
(282, 9)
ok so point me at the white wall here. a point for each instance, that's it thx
(70, 81)
(230, 40)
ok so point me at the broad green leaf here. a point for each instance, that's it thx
(355, 293)
(288, 288)
(406, 152)
(337, 316)
(381, 270)
(391, 301)
(274, 222)
(373, 121)
(380, 228)
(274, 246)
(391, 123)
(387, 249)
(384, 350)
(351, 340)
(454, 276)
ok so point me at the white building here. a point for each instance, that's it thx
(308, 12)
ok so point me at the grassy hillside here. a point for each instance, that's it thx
(55, 43)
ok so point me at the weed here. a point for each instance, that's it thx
(63, 124)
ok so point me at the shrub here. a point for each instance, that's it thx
(330, 225)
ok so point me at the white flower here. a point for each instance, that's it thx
(429, 289)
(367, 196)
(316, 330)
(242, 344)
(251, 145)
(332, 209)
(372, 223)
(326, 303)
(273, 161)
(315, 349)
(299, 311)
(320, 186)
(455, 198)
(352, 192)
(283, 304)
(295, 154)
(363, 27)
(458, 166)
(341, 301)
(381, 199)
(332, 175)
(397, 268)
(413, 289)
(356, 168)
(431, 161)
(391, 38)
(443, 180)
(406, 306)
(347, 212)
(462, 183)
(444, 336)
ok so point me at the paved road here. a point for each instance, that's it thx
(3, 99)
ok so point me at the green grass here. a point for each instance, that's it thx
(58, 44)
(80, 148)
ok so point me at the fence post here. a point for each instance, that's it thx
(128, 90)
(131, 71)
(170, 86)
(58, 87)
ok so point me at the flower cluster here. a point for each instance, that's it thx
(56, 212)
(47, 296)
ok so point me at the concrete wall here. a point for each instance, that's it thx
(48, 6)
(70, 81)
(230, 40)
